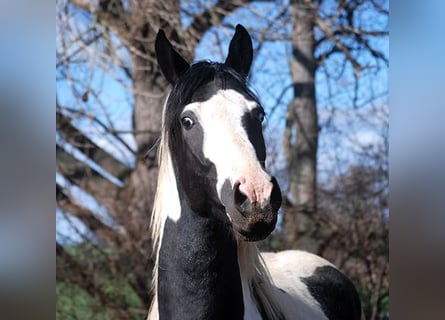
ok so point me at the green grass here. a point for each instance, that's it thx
(75, 303)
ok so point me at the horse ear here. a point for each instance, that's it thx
(171, 62)
(240, 51)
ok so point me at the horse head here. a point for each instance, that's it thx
(213, 124)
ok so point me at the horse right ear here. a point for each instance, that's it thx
(171, 63)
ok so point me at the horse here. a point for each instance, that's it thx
(215, 199)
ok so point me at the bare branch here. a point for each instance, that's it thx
(89, 148)
(101, 230)
(100, 123)
(111, 13)
(342, 47)
(65, 59)
(349, 31)
(86, 178)
(86, 5)
(213, 16)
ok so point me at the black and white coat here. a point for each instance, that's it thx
(215, 198)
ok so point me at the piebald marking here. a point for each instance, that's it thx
(227, 145)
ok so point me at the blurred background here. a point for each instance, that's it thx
(320, 71)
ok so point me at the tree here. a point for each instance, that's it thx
(320, 31)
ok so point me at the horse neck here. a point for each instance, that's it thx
(198, 271)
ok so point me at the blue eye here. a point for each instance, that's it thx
(187, 122)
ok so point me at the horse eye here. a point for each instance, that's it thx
(187, 122)
(261, 116)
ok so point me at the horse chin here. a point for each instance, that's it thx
(254, 226)
(252, 237)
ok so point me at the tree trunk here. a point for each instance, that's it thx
(301, 133)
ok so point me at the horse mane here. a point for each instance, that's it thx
(261, 287)
(166, 201)
(166, 187)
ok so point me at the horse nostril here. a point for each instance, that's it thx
(275, 198)
(240, 199)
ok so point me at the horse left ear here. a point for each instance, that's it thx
(171, 62)
(240, 51)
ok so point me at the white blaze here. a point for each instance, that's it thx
(227, 145)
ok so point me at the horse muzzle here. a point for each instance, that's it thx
(254, 218)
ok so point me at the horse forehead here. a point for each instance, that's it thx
(224, 104)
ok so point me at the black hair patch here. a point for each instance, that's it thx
(336, 294)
